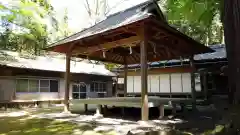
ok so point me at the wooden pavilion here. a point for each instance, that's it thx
(139, 34)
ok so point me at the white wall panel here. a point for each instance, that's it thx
(161, 83)
(130, 84)
(164, 83)
(176, 84)
(186, 77)
(149, 83)
(197, 83)
(154, 83)
(137, 84)
(120, 80)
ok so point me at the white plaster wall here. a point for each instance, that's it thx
(160, 83)
(7, 88)
(62, 89)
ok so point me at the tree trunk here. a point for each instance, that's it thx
(232, 40)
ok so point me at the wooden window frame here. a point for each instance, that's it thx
(39, 85)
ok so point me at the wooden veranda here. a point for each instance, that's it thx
(137, 35)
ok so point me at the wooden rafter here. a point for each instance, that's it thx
(106, 46)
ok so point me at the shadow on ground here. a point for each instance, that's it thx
(207, 121)
(204, 122)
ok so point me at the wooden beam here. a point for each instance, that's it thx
(160, 70)
(106, 46)
(125, 76)
(144, 81)
(169, 31)
(99, 59)
(193, 89)
(67, 82)
(176, 49)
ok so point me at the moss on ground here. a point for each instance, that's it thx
(33, 126)
(28, 125)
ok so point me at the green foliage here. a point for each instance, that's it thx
(199, 19)
(25, 26)
(31, 32)
(34, 126)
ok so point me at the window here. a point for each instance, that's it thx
(92, 87)
(36, 85)
(79, 91)
(99, 87)
(22, 85)
(33, 85)
(53, 86)
(44, 86)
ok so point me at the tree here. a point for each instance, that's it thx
(96, 10)
(208, 14)
(60, 28)
(197, 19)
(232, 40)
(25, 26)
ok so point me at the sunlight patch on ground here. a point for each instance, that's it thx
(107, 125)
(14, 114)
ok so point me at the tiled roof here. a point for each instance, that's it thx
(50, 63)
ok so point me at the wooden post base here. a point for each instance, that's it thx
(161, 111)
(123, 111)
(99, 110)
(174, 109)
(85, 107)
(183, 107)
(105, 109)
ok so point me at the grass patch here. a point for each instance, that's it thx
(34, 126)
(218, 129)
(27, 125)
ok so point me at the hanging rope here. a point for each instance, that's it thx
(181, 60)
(154, 50)
(130, 49)
(104, 54)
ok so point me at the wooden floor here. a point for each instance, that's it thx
(131, 101)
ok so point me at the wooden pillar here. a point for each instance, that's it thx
(116, 87)
(67, 83)
(193, 89)
(205, 85)
(125, 76)
(144, 79)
